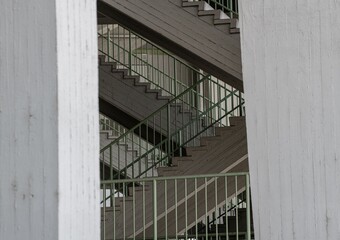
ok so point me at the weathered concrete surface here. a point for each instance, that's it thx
(291, 69)
(49, 140)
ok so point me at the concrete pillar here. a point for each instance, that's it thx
(291, 70)
(49, 172)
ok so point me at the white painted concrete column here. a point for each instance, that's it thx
(49, 140)
(291, 69)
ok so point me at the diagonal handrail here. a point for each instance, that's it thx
(128, 55)
(169, 139)
(192, 88)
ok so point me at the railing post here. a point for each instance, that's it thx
(154, 209)
(180, 143)
(108, 42)
(240, 103)
(248, 207)
(169, 132)
(175, 81)
(130, 54)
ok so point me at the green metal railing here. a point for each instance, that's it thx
(178, 124)
(198, 102)
(175, 207)
(162, 69)
(115, 129)
(107, 124)
(230, 7)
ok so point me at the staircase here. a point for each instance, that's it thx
(184, 156)
(193, 38)
(123, 153)
(217, 16)
(127, 92)
(225, 152)
(219, 153)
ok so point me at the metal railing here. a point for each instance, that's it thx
(107, 124)
(177, 125)
(117, 130)
(175, 207)
(162, 69)
(230, 7)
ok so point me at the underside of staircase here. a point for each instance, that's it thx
(192, 30)
(225, 152)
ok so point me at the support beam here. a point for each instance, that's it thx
(291, 72)
(49, 140)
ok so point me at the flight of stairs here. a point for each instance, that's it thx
(123, 154)
(225, 152)
(219, 18)
(180, 30)
(138, 100)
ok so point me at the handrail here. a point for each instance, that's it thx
(168, 139)
(128, 53)
(182, 177)
(154, 113)
(150, 201)
(198, 99)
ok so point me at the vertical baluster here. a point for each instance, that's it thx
(226, 205)
(206, 206)
(143, 205)
(124, 212)
(216, 204)
(248, 207)
(186, 207)
(155, 209)
(176, 213)
(169, 132)
(166, 207)
(196, 214)
(236, 209)
(104, 211)
(114, 211)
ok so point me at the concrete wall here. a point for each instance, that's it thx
(49, 141)
(291, 70)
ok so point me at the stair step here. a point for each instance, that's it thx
(218, 14)
(232, 22)
(202, 5)
(237, 121)
(193, 151)
(207, 140)
(176, 160)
